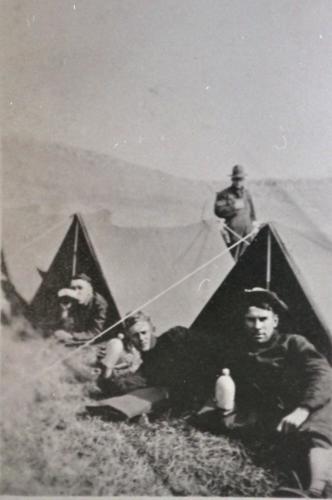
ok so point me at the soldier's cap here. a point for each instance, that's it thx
(260, 297)
(238, 172)
(66, 294)
(82, 276)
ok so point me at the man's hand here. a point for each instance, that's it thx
(81, 336)
(293, 421)
(63, 336)
(221, 224)
(256, 225)
(108, 372)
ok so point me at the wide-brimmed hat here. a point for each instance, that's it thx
(258, 296)
(238, 172)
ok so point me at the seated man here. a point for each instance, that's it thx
(284, 385)
(86, 317)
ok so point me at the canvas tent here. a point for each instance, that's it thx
(129, 266)
(297, 265)
(30, 238)
(11, 301)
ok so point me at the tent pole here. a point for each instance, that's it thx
(268, 261)
(75, 249)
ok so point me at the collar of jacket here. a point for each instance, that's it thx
(254, 349)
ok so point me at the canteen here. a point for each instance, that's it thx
(225, 392)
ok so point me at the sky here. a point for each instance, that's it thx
(190, 87)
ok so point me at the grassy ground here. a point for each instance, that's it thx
(49, 447)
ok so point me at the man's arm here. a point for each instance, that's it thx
(223, 207)
(114, 350)
(251, 207)
(316, 383)
(316, 373)
(96, 321)
(293, 420)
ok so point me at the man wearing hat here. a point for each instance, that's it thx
(236, 207)
(283, 388)
(87, 315)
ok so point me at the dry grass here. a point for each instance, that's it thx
(50, 448)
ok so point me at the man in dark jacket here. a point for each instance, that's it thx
(176, 360)
(283, 385)
(87, 315)
(236, 207)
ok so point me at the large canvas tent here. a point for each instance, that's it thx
(129, 266)
(297, 265)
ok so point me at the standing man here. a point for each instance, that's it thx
(88, 314)
(236, 207)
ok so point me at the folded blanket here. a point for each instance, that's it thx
(132, 404)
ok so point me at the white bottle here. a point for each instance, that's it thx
(225, 392)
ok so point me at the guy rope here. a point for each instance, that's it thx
(35, 377)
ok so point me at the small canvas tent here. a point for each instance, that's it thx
(295, 264)
(11, 302)
(129, 267)
(30, 238)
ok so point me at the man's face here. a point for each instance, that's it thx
(142, 335)
(260, 324)
(238, 182)
(83, 290)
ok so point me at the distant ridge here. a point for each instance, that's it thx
(66, 179)
(56, 178)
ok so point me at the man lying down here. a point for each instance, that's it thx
(166, 370)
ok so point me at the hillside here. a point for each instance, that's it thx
(54, 178)
(65, 179)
